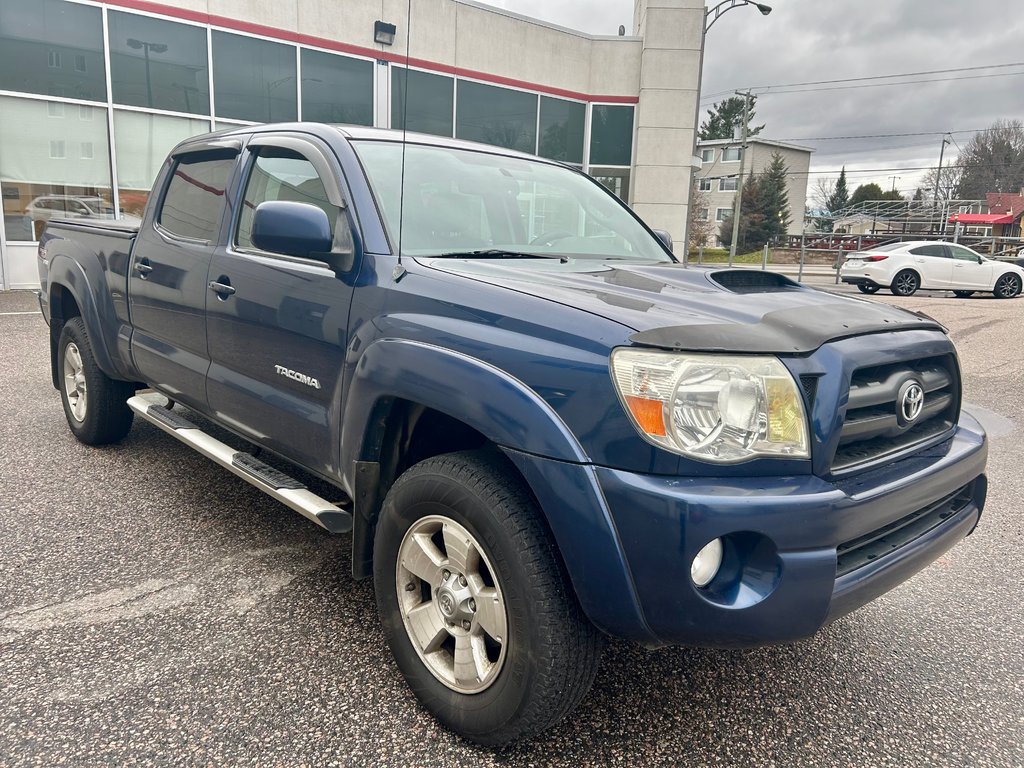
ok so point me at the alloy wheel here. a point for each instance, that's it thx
(452, 604)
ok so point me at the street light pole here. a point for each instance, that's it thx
(146, 47)
(711, 15)
(737, 204)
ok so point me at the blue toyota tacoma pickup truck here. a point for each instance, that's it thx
(545, 429)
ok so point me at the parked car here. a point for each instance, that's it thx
(905, 267)
(49, 207)
(542, 428)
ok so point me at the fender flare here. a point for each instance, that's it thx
(486, 398)
(69, 275)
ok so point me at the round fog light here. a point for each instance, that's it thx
(706, 564)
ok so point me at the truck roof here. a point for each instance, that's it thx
(362, 132)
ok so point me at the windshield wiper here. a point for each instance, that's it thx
(498, 253)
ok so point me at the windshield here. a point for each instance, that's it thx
(459, 201)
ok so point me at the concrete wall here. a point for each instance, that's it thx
(672, 31)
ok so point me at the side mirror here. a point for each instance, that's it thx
(292, 229)
(665, 237)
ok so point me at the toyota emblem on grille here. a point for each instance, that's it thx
(909, 402)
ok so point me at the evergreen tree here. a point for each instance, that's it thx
(724, 116)
(775, 196)
(840, 197)
(765, 211)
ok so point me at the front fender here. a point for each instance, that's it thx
(532, 435)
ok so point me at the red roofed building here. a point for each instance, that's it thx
(1004, 214)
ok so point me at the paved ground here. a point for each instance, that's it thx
(155, 610)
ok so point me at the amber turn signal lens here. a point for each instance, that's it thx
(649, 414)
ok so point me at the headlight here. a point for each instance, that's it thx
(719, 408)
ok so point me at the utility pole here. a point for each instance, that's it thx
(738, 200)
(894, 181)
(938, 182)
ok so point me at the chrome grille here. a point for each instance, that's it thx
(876, 428)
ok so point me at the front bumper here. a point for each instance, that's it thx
(779, 581)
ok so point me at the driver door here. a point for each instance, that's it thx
(970, 270)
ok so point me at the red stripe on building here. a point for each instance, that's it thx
(358, 50)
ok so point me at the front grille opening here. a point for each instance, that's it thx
(873, 428)
(888, 539)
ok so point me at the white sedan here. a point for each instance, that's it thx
(905, 267)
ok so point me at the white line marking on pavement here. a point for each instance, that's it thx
(5, 314)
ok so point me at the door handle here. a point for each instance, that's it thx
(222, 290)
(143, 268)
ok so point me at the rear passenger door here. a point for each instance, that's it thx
(168, 275)
(278, 328)
(932, 262)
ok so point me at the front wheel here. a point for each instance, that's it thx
(905, 283)
(95, 405)
(867, 288)
(1007, 286)
(475, 603)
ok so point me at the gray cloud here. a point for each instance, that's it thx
(811, 40)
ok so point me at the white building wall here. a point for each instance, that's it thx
(672, 31)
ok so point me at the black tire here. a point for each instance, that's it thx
(865, 288)
(1007, 286)
(549, 656)
(905, 283)
(95, 405)
(963, 294)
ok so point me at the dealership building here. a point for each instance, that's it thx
(94, 94)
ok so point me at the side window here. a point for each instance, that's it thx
(963, 254)
(930, 250)
(281, 174)
(194, 199)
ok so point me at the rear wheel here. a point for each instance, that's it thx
(1007, 286)
(905, 283)
(95, 404)
(475, 603)
(867, 288)
(963, 294)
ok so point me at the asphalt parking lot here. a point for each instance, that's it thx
(155, 610)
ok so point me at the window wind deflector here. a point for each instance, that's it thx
(498, 253)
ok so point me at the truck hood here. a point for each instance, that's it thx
(670, 306)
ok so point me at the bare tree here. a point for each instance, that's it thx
(992, 161)
(949, 183)
(700, 219)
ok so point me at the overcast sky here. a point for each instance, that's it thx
(814, 40)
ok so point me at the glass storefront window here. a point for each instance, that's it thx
(51, 166)
(498, 116)
(161, 64)
(611, 135)
(52, 48)
(253, 79)
(615, 179)
(336, 89)
(421, 101)
(561, 130)
(142, 142)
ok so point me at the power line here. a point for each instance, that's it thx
(774, 92)
(882, 135)
(886, 77)
(879, 77)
